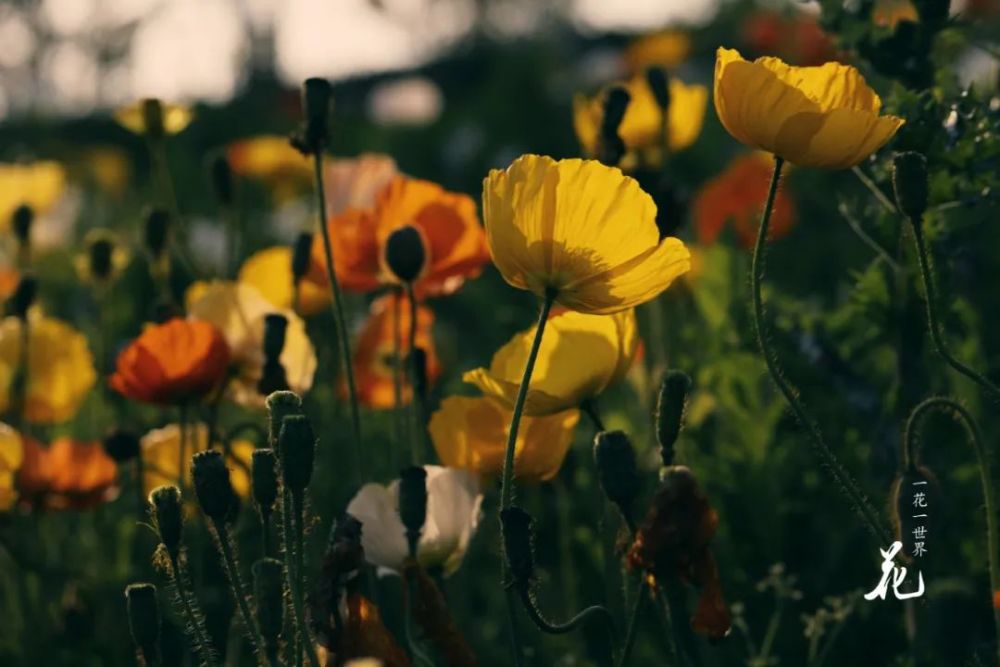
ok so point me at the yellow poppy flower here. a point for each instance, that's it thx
(11, 457)
(667, 48)
(581, 229)
(39, 185)
(270, 271)
(60, 368)
(161, 456)
(103, 259)
(470, 433)
(580, 356)
(642, 129)
(176, 117)
(824, 116)
(238, 310)
(271, 159)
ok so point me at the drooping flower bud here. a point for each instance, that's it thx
(518, 545)
(23, 297)
(297, 449)
(659, 83)
(122, 445)
(152, 118)
(221, 176)
(301, 255)
(144, 621)
(156, 231)
(20, 223)
(616, 469)
(909, 181)
(264, 480)
(405, 254)
(670, 406)
(280, 404)
(212, 485)
(268, 592)
(413, 503)
(167, 517)
(273, 377)
(610, 147)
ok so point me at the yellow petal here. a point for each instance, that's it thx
(161, 457)
(839, 139)
(270, 272)
(176, 117)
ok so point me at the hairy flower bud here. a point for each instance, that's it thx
(405, 254)
(518, 545)
(268, 592)
(144, 621)
(23, 297)
(280, 404)
(167, 517)
(221, 176)
(122, 445)
(264, 480)
(156, 231)
(659, 83)
(301, 255)
(616, 469)
(670, 406)
(297, 449)
(20, 223)
(212, 485)
(909, 181)
(413, 503)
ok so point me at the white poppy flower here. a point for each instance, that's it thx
(453, 503)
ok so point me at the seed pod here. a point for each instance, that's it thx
(909, 181)
(212, 485)
(23, 297)
(301, 255)
(264, 480)
(167, 517)
(152, 118)
(518, 545)
(268, 592)
(659, 83)
(144, 621)
(122, 445)
(221, 176)
(20, 223)
(413, 503)
(670, 406)
(616, 469)
(280, 404)
(405, 254)
(156, 231)
(297, 450)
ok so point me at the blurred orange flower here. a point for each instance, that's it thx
(356, 182)
(889, 13)
(374, 353)
(69, 474)
(798, 39)
(738, 195)
(454, 242)
(171, 363)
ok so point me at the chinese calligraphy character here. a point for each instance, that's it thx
(919, 549)
(920, 499)
(897, 574)
(919, 533)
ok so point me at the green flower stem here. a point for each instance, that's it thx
(182, 449)
(399, 414)
(842, 478)
(290, 506)
(195, 619)
(416, 441)
(338, 316)
(640, 597)
(298, 515)
(551, 628)
(934, 321)
(911, 456)
(165, 183)
(239, 589)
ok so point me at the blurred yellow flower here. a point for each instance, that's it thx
(161, 452)
(580, 356)
(37, 184)
(667, 48)
(60, 369)
(643, 129)
(175, 117)
(271, 159)
(11, 457)
(103, 257)
(238, 310)
(824, 116)
(470, 432)
(109, 168)
(580, 229)
(270, 271)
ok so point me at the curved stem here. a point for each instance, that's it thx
(239, 588)
(843, 479)
(933, 320)
(911, 456)
(640, 597)
(338, 316)
(562, 628)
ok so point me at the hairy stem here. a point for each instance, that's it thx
(195, 619)
(289, 509)
(239, 589)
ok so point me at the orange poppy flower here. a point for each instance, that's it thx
(738, 194)
(171, 363)
(454, 241)
(375, 349)
(68, 474)
(798, 40)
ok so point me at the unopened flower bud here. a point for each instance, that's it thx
(122, 445)
(659, 84)
(221, 176)
(610, 147)
(316, 94)
(100, 251)
(156, 231)
(23, 297)
(518, 545)
(280, 404)
(670, 406)
(212, 485)
(275, 326)
(405, 254)
(301, 255)
(297, 450)
(268, 592)
(167, 517)
(264, 480)
(413, 503)
(152, 118)
(20, 222)
(616, 469)
(144, 621)
(909, 181)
